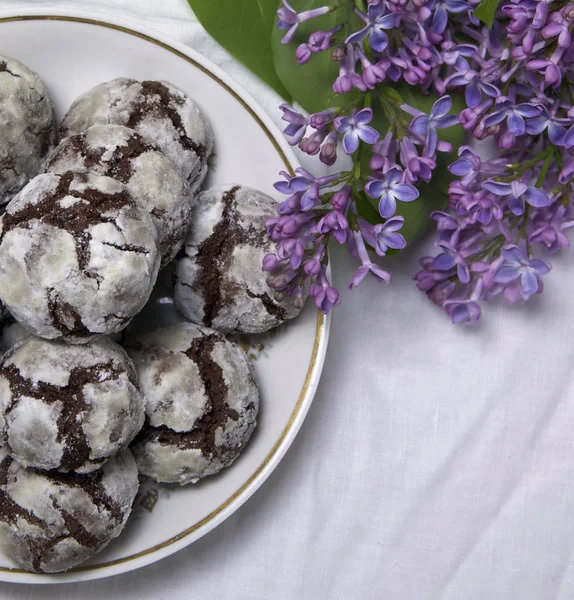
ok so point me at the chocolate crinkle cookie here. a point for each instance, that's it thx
(68, 407)
(51, 522)
(150, 177)
(28, 128)
(202, 402)
(158, 111)
(219, 280)
(78, 256)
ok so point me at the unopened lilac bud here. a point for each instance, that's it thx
(553, 76)
(288, 225)
(343, 84)
(524, 50)
(315, 289)
(372, 76)
(320, 119)
(328, 154)
(319, 41)
(468, 119)
(289, 206)
(506, 140)
(299, 302)
(312, 144)
(540, 15)
(338, 53)
(425, 280)
(312, 267)
(411, 77)
(303, 53)
(277, 282)
(518, 53)
(568, 12)
(270, 262)
(434, 37)
(304, 146)
(518, 25)
(295, 249)
(424, 14)
(341, 200)
(297, 294)
(424, 54)
(377, 162)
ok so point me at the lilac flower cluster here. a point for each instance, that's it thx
(320, 209)
(517, 81)
(502, 212)
(496, 221)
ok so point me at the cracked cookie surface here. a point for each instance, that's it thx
(68, 407)
(50, 521)
(152, 179)
(202, 402)
(78, 256)
(28, 128)
(161, 113)
(219, 279)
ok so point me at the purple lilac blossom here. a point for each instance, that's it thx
(378, 19)
(390, 189)
(515, 79)
(427, 125)
(383, 236)
(517, 266)
(355, 129)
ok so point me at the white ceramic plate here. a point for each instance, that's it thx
(74, 52)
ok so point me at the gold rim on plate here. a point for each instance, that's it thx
(320, 318)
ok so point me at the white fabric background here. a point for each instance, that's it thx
(436, 462)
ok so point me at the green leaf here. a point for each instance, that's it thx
(486, 11)
(243, 28)
(311, 84)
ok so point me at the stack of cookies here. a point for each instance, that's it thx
(87, 226)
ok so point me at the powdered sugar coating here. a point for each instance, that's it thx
(68, 407)
(78, 257)
(219, 280)
(158, 111)
(202, 402)
(28, 128)
(153, 180)
(51, 522)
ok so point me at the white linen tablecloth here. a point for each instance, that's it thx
(436, 462)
